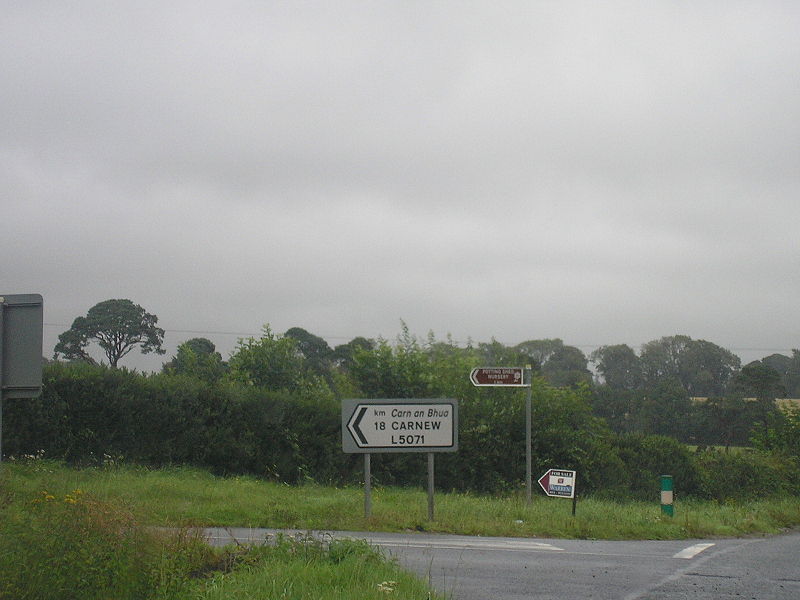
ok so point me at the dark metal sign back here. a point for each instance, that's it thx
(21, 324)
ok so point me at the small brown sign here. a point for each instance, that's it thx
(498, 376)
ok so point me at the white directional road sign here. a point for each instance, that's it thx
(399, 425)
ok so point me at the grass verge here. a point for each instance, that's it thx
(194, 497)
(91, 543)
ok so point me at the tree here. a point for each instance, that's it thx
(789, 369)
(619, 408)
(661, 359)
(399, 371)
(780, 362)
(314, 349)
(198, 358)
(560, 365)
(665, 409)
(700, 367)
(791, 378)
(343, 353)
(496, 354)
(118, 326)
(272, 362)
(619, 367)
(538, 352)
(787, 436)
(708, 369)
(567, 367)
(763, 383)
(724, 420)
(760, 381)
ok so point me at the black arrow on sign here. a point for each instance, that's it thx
(355, 429)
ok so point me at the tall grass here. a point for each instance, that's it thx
(183, 496)
(56, 546)
(308, 568)
(91, 542)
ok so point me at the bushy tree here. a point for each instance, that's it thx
(567, 367)
(567, 435)
(789, 369)
(791, 377)
(276, 363)
(342, 356)
(724, 420)
(118, 326)
(559, 364)
(763, 384)
(619, 408)
(401, 370)
(665, 409)
(197, 357)
(538, 352)
(647, 457)
(271, 362)
(661, 359)
(316, 351)
(787, 434)
(700, 367)
(708, 369)
(618, 366)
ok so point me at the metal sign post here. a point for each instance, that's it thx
(430, 486)
(528, 436)
(367, 486)
(2, 393)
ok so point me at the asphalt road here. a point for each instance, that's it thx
(477, 568)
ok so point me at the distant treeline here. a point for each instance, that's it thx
(692, 390)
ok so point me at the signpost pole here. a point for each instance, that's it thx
(2, 302)
(574, 494)
(367, 487)
(430, 486)
(528, 453)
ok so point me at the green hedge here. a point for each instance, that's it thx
(647, 457)
(747, 475)
(90, 415)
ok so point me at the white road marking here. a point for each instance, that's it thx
(692, 551)
(255, 536)
(473, 544)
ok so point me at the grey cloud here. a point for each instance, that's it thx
(599, 173)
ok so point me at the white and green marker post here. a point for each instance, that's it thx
(667, 497)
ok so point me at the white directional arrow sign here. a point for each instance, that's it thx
(399, 425)
(559, 483)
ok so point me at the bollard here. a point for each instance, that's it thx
(667, 496)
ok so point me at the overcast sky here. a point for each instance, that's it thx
(599, 172)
